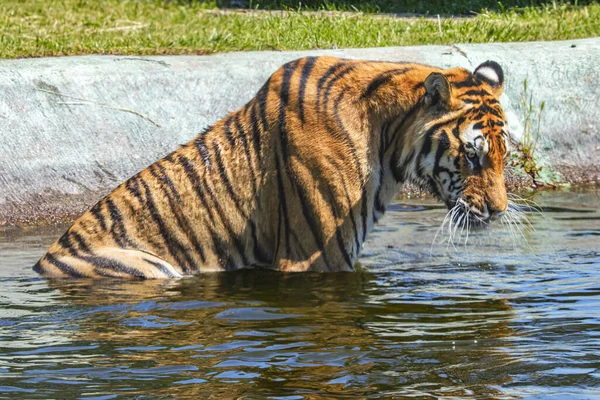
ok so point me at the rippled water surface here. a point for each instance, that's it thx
(500, 318)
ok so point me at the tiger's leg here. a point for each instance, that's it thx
(108, 262)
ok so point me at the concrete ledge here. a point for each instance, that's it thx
(59, 154)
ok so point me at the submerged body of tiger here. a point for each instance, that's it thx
(296, 179)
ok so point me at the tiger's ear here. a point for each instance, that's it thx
(437, 90)
(491, 73)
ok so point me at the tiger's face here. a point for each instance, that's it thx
(465, 142)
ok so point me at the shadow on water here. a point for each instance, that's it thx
(488, 320)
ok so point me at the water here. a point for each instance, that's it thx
(499, 318)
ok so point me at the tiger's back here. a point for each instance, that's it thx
(293, 181)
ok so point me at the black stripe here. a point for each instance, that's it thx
(261, 100)
(117, 228)
(283, 209)
(225, 180)
(350, 144)
(218, 245)
(242, 136)
(304, 202)
(493, 111)
(379, 206)
(220, 248)
(256, 132)
(284, 98)
(399, 171)
(38, 267)
(428, 140)
(478, 93)
(353, 220)
(456, 130)
(108, 263)
(312, 221)
(96, 211)
(478, 125)
(433, 188)
(201, 147)
(288, 70)
(259, 251)
(337, 77)
(65, 268)
(227, 130)
(162, 177)
(65, 243)
(338, 229)
(382, 79)
(469, 82)
(455, 183)
(133, 187)
(238, 203)
(81, 243)
(350, 211)
(482, 110)
(194, 179)
(364, 212)
(443, 143)
(306, 70)
(324, 78)
(236, 240)
(182, 222)
(418, 86)
(347, 137)
(428, 137)
(161, 268)
(174, 247)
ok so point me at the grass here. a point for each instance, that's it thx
(33, 28)
(454, 7)
(524, 157)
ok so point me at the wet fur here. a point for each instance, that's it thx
(296, 178)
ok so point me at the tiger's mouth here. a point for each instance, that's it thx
(470, 216)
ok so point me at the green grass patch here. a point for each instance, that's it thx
(454, 7)
(32, 28)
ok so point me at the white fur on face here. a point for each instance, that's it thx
(470, 135)
(477, 141)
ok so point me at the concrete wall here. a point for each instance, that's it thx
(58, 154)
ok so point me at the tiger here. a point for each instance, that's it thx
(295, 179)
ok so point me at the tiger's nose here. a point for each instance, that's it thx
(496, 211)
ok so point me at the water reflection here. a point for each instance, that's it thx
(263, 333)
(487, 321)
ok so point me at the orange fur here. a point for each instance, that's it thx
(296, 178)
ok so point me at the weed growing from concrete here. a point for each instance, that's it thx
(532, 120)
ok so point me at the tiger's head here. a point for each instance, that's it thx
(464, 141)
